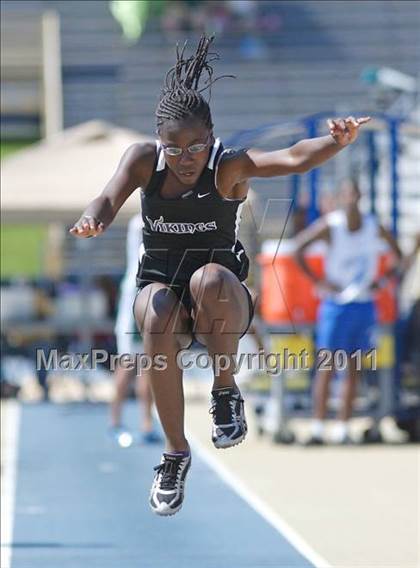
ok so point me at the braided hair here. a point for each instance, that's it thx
(181, 96)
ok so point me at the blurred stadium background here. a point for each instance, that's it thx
(80, 82)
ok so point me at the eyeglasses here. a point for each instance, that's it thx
(193, 149)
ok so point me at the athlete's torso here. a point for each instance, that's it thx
(352, 255)
(199, 226)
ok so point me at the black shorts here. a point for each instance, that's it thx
(183, 293)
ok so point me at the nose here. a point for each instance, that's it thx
(186, 158)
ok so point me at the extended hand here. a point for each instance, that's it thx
(345, 130)
(87, 226)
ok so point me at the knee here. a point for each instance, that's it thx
(152, 322)
(210, 283)
(157, 316)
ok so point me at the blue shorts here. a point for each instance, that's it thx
(346, 326)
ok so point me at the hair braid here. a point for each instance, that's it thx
(181, 96)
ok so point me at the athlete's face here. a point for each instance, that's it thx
(186, 145)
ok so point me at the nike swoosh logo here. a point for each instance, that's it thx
(200, 195)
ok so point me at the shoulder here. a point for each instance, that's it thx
(139, 153)
(231, 158)
(229, 174)
(138, 160)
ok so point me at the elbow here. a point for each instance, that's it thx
(297, 255)
(301, 167)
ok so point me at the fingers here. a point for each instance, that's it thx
(340, 125)
(351, 122)
(87, 226)
(337, 124)
(91, 222)
(363, 120)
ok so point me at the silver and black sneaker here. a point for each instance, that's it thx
(167, 492)
(229, 423)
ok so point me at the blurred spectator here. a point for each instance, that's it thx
(244, 14)
(411, 342)
(299, 219)
(8, 389)
(110, 289)
(245, 24)
(218, 17)
(246, 20)
(411, 333)
(346, 317)
(128, 343)
(175, 18)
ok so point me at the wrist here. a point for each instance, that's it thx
(338, 144)
(380, 282)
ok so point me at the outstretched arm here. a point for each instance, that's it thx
(300, 157)
(398, 264)
(131, 173)
(317, 231)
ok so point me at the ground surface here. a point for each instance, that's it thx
(81, 502)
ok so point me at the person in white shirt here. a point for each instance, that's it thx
(128, 341)
(346, 317)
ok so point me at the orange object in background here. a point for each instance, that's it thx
(385, 298)
(289, 297)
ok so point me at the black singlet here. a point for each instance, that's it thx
(184, 233)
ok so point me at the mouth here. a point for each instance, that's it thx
(187, 174)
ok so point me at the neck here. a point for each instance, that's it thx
(354, 218)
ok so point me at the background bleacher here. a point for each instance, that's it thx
(106, 78)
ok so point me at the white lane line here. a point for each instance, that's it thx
(268, 514)
(9, 452)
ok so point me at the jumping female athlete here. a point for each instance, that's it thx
(192, 266)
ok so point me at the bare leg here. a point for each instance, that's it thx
(221, 315)
(123, 378)
(163, 322)
(320, 400)
(145, 398)
(349, 390)
(321, 393)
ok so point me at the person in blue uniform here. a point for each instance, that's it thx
(347, 316)
(192, 266)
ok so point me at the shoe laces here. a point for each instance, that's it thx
(223, 409)
(169, 470)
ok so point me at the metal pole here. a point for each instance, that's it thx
(373, 166)
(313, 212)
(393, 130)
(51, 74)
(394, 147)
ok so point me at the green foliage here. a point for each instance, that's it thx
(22, 250)
(10, 147)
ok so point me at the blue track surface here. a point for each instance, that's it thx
(82, 503)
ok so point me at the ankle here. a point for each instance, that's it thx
(174, 447)
(178, 453)
(224, 384)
